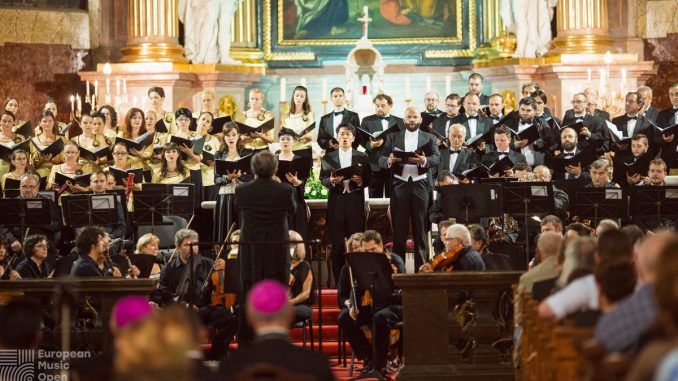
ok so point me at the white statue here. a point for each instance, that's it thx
(530, 20)
(207, 30)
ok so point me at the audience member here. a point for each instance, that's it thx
(21, 322)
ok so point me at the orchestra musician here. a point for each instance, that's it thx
(255, 116)
(346, 199)
(34, 264)
(600, 177)
(302, 286)
(92, 246)
(147, 246)
(327, 138)
(179, 282)
(458, 243)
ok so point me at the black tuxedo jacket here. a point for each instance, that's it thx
(326, 131)
(440, 123)
(276, 350)
(559, 174)
(652, 113)
(464, 161)
(667, 150)
(484, 124)
(597, 113)
(373, 124)
(643, 126)
(599, 135)
(493, 157)
(332, 160)
(398, 140)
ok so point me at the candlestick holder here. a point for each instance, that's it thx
(408, 101)
(283, 111)
(324, 102)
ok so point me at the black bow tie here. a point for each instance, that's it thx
(472, 117)
(453, 152)
(569, 154)
(337, 113)
(503, 153)
(632, 117)
(384, 117)
(525, 124)
(495, 118)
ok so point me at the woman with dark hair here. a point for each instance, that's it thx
(183, 121)
(156, 95)
(231, 150)
(34, 264)
(47, 136)
(302, 287)
(298, 120)
(210, 146)
(299, 221)
(7, 135)
(4, 258)
(172, 169)
(17, 168)
(12, 105)
(255, 116)
(91, 141)
(51, 106)
(110, 121)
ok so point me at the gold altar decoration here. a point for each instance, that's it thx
(153, 32)
(582, 28)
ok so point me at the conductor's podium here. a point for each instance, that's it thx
(92, 301)
(457, 326)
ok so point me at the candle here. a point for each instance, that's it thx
(601, 85)
(72, 104)
(428, 83)
(135, 101)
(124, 87)
(448, 85)
(303, 81)
(623, 81)
(78, 103)
(94, 103)
(96, 88)
(407, 88)
(324, 98)
(283, 83)
(588, 77)
(108, 87)
(87, 90)
(117, 86)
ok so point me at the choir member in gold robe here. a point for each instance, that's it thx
(48, 134)
(91, 141)
(71, 167)
(255, 116)
(12, 105)
(17, 168)
(156, 95)
(8, 136)
(172, 169)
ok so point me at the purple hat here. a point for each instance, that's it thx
(267, 297)
(130, 309)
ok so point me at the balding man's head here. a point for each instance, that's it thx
(412, 118)
(647, 252)
(549, 244)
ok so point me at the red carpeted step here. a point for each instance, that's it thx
(330, 348)
(330, 333)
(330, 315)
(329, 297)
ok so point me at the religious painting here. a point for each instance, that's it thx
(431, 31)
(313, 20)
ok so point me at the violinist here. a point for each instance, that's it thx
(353, 245)
(302, 287)
(34, 264)
(458, 245)
(147, 247)
(181, 283)
(381, 317)
(92, 245)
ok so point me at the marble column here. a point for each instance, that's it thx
(582, 27)
(153, 32)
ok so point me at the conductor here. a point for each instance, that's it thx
(263, 205)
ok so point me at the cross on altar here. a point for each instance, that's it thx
(365, 20)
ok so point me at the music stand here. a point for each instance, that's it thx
(467, 203)
(528, 199)
(372, 271)
(654, 201)
(25, 212)
(600, 203)
(89, 209)
(154, 201)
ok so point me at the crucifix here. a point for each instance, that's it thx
(365, 20)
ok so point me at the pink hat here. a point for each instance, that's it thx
(130, 309)
(267, 297)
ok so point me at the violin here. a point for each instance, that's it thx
(219, 294)
(444, 261)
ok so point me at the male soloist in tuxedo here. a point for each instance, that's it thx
(668, 144)
(380, 181)
(474, 122)
(455, 159)
(631, 123)
(502, 140)
(327, 139)
(451, 116)
(412, 183)
(346, 203)
(534, 152)
(594, 131)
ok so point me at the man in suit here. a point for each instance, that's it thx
(647, 111)
(412, 182)
(570, 148)
(380, 121)
(346, 203)
(600, 174)
(475, 85)
(534, 152)
(431, 101)
(474, 122)
(455, 159)
(442, 124)
(329, 123)
(594, 131)
(264, 206)
(668, 144)
(502, 140)
(591, 104)
(631, 123)
(495, 108)
(626, 165)
(543, 114)
(270, 314)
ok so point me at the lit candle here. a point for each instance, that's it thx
(108, 86)
(117, 86)
(623, 81)
(448, 85)
(72, 104)
(407, 88)
(124, 86)
(94, 103)
(78, 103)
(87, 90)
(303, 81)
(283, 84)
(588, 77)
(96, 88)
(428, 83)
(324, 98)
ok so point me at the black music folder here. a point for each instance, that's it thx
(380, 134)
(426, 150)
(584, 158)
(26, 130)
(94, 155)
(222, 167)
(83, 180)
(301, 166)
(500, 166)
(6, 149)
(121, 175)
(244, 129)
(139, 143)
(531, 134)
(53, 149)
(306, 130)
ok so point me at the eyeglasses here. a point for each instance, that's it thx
(451, 106)
(430, 100)
(578, 101)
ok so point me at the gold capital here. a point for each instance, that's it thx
(153, 32)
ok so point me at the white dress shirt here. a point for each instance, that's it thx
(337, 121)
(345, 160)
(453, 160)
(630, 126)
(528, 150)
(410, 170)
(472, 125)
(384, 122)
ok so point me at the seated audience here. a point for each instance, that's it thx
(302, 285)
(21, 322)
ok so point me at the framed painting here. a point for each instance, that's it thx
(316, 30)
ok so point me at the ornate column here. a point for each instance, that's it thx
(497, 42)
(582, 28)
(153, 31)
